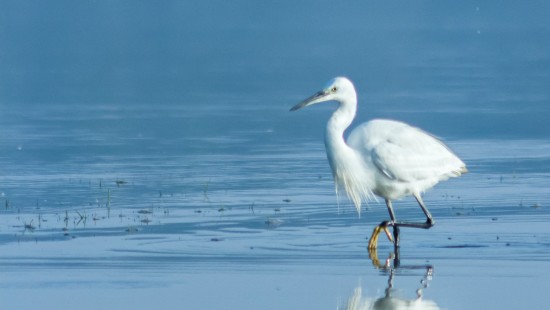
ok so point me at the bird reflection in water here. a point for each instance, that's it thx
(391, 300)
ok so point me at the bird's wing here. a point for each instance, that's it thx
(405, 153)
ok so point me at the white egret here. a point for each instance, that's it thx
(386, 158)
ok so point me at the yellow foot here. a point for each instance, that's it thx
(373, 255)
(373, 241)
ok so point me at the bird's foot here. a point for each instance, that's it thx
(373, 255)
(373, 241)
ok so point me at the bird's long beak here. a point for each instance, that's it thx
(317, 97)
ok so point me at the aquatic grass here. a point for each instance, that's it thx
(109, 203)
(66, 219)
(81, 219)
(205, 191)
(251, 207)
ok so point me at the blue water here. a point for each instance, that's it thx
(148, 157)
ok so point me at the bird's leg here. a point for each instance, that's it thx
(393, 256)
(373, 241)
(384, 225)
(396, 236)
(395, 227)
(429, 219)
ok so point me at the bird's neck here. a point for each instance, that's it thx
(338, 151)
(346, 164)
(340, 120)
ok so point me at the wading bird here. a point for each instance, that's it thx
(386, 158)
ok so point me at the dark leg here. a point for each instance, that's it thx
(392, 223)
(390, 210)
(396, 237)
(373, 255)
(396, 225)
(396, 259)
(429, 219)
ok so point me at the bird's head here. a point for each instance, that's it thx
(338, 89)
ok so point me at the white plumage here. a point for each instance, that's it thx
(358, 302)
(406, 160)
(385, 158)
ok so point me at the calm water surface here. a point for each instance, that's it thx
(148, 157)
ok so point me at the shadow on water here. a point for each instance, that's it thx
(393, 297)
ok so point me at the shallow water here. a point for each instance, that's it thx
(155, 163)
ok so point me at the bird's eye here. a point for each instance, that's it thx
(334, 89)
